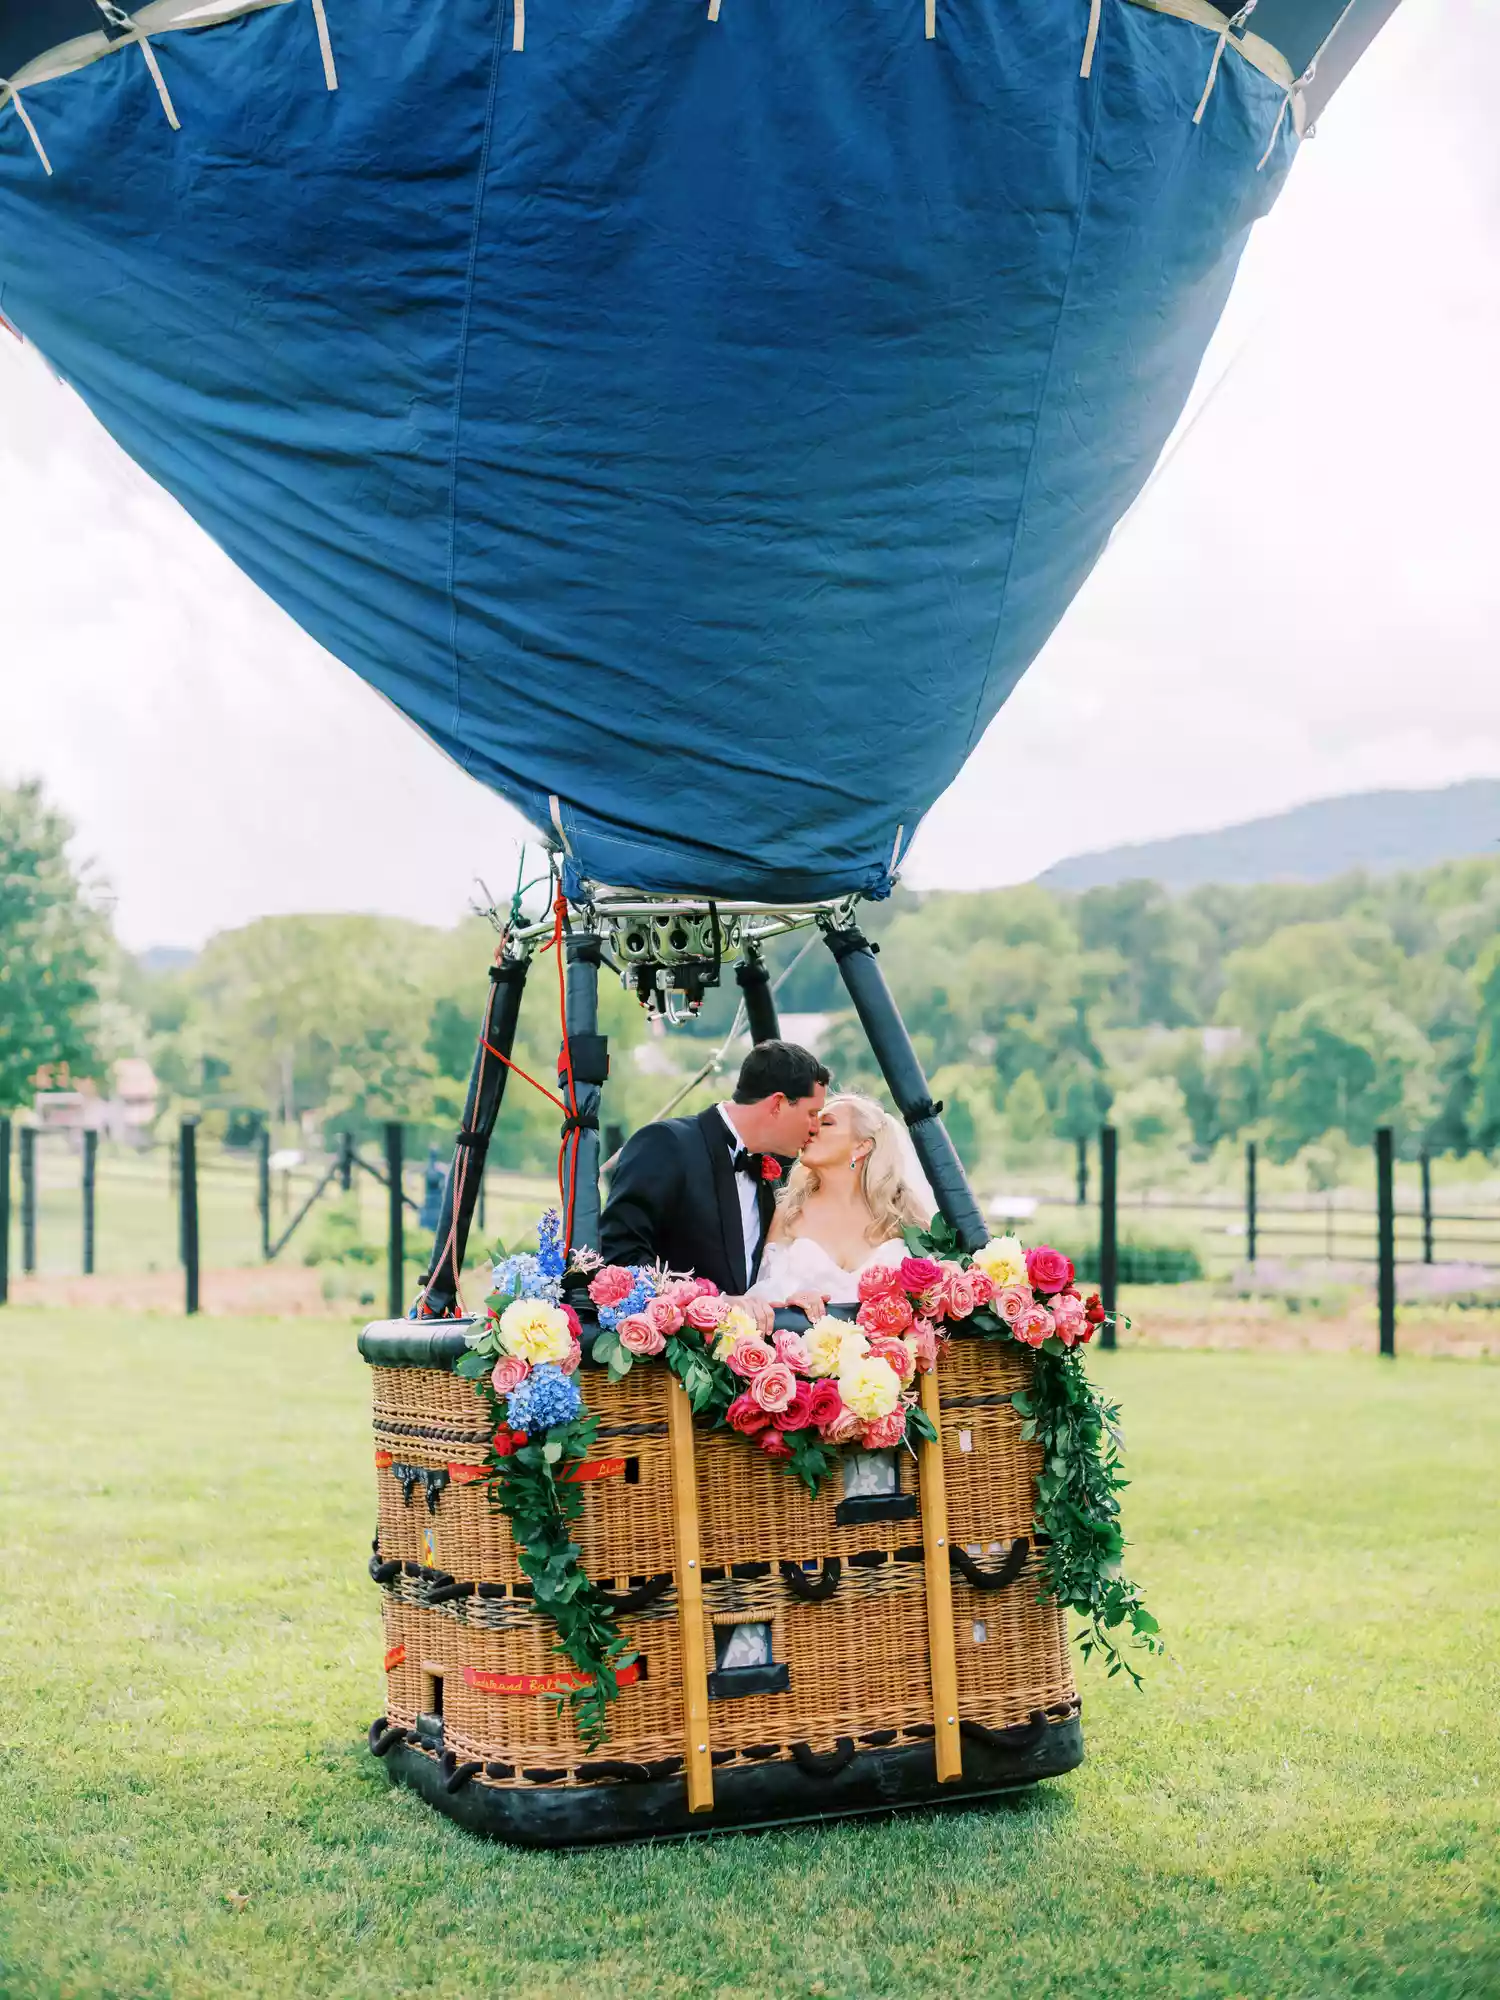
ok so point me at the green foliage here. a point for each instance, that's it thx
(1140, 1261)
(1485, 1074)
(1026, 1109)
(1345, 1062)
(54, 947)
(333, 1236)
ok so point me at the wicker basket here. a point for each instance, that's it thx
(876, 1675)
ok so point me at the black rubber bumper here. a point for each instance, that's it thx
(748, 1796)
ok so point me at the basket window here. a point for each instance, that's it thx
(981, 1631)
(871, 1475)
(742, 1645)
(966, 1440)
(430, 1721)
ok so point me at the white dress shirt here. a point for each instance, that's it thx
(749, 1196)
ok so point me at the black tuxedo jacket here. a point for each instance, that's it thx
(673, 1200)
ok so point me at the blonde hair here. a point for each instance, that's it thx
(881, 1174)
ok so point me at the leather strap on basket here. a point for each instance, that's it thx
(991, 1579)
(825, 1763)
(813, 1590)
(636, 1600)
(1024, 1736)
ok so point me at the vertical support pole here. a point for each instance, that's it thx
(1385, 1216)
(4, 1210)
(760, 1003)
(691, 1636)
(590, 1057)
(1083, 1171)
(90, 1183)
(464, 1187)
(188, 1190)
(1250, 1199)
(346, 1162)
(1109, 1241)
(891, 1046)
(947, 1743)
(28, 1200)
(1426, 1206)
(263, 1188)
(396, 1226)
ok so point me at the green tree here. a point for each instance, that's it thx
(1346, 1062)
(1485, 1073)
(54, 947)
(1152, 942)
(1026, 1109)
(1265, 982)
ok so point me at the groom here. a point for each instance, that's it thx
(697, 1194)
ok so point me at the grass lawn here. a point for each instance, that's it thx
(1303, 1802)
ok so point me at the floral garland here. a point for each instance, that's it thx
(801, 1398)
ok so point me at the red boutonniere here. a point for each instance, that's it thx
(770, 1167)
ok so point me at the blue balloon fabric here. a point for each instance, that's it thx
(695, 427)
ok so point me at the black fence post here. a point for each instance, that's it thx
(1385, 1203)
(346, 1162)
(1109, 1244)
(1250, 1199)
(187, 1181)
(28, 1200)
(263, 1188)
(90, 1181)
(1426, 1163)
(1082, 1145)
(4, 1210)
(396, 1242)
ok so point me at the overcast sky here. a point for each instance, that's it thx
(1307, 601)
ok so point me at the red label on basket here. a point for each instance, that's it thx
(563, 1683)
(394, 1656)
(382, 1460)
(593, 1468)
(467, 1475)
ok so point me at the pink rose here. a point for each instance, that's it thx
(1034, 1326)
(611, 1285)
(575, 1325)
(570, 1361)
(887, 1312)
(917, 1273)
(663, 1315)
(824, 1403)
(746, 1416)
(842, 1429)
(680, 1293)
(750, 1355)
(982, 1286)
(1048, 1269)
(509, 1372)
(885, 1431)
(1068, 1317)
(774, 1387)
(1013, 1302)
(797, 1416)
(877, 1280)
(774, 1445)
(705, 1288)
(924, 1340)
(792, 1349)
(705, 1312)
(885, 1347)
(639, 1336)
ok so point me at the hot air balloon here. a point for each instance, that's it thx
(694, 417)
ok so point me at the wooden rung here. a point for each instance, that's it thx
(690, 1629)
(947, 1743)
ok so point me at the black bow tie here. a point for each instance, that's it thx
(748, 1163)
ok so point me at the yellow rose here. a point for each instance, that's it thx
(735, 1325)
(825, 1343)
(870, 1387)
(853, 1347)
(535, 1331)
(1002, 1261)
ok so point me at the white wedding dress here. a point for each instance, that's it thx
(802, 1265)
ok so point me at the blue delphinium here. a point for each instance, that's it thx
(552, 1259)
(546, 1397)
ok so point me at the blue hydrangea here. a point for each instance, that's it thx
(633, 1301)
(523, 1276)
(551, 1259)
(546, 1397)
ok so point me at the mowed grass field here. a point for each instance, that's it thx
(1304, 1801)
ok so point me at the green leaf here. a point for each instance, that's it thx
(472, 1366)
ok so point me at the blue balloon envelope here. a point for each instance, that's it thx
(695, 426)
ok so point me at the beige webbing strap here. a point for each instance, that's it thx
(947, 1742)
(158, 79)
(713, 10)
(325, 45)
(1087, 66)
(929, 19)
(1213, 77)
(690, 1633)
(1275, 133)
(9, 90)
(518, 38)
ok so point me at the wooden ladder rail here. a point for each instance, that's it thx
(947, 1742)
(690, 1633)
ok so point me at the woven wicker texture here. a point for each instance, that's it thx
(856, 1661)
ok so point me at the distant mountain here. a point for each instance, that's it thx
(1378, 831)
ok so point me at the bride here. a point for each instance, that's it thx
(846, 1203)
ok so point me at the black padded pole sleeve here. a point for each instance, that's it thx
(891, 1045)
(481, 1109)
(760, 1003)
(583, 1031)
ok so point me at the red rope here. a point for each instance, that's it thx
(526, 1077)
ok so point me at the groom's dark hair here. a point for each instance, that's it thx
(773, 1066)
